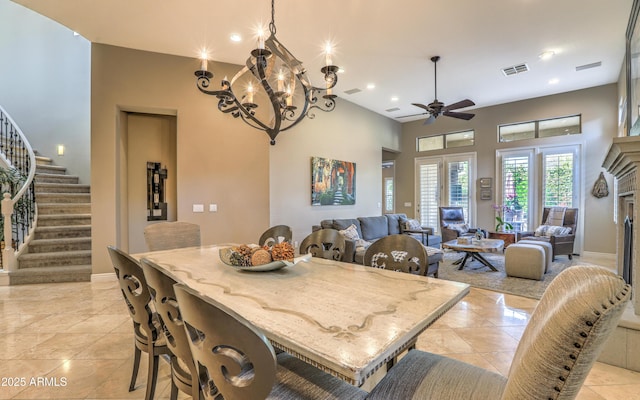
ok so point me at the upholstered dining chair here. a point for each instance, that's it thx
(324, 243)
(236, 360)
(148, 335)
(398, 253)
(276, 234)
(565, 334)
(171, 235)
(183, 370)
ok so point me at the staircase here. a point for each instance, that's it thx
(61, 248)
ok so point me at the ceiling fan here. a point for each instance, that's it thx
(437, 108)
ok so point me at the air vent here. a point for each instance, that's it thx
(352, 91)
(588, 66)
(392, 109)
(516, 69)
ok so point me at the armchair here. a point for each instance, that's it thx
(561, 242)
(452, 224)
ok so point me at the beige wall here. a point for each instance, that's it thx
(598, 107)
(349, 133)
(219, 159)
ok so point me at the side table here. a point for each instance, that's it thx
(424, 232)
(509, 237)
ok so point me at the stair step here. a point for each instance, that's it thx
(54, 259)
(64, 220)
(55, 178)
(63, 198)
(70, 208)
(42, 160)
(51, 169)
(62, 231)
(69, 273)
(61, 188)
(59, 245)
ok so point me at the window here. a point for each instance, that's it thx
(559, 180)
(540, 129)
(388, 195)
(515, 189)
(446, 141)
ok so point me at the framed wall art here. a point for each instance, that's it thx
(333, 182)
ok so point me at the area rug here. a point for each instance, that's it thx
(478, 275)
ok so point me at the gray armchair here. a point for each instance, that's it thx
(577, 313)
(452, 224)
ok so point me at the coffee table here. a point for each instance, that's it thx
(473, 250)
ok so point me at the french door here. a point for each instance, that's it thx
(445, 181)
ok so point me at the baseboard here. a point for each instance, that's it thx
(106, 277)
(4, 278)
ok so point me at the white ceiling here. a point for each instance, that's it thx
(388, 43)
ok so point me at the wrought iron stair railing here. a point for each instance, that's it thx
(18, 190)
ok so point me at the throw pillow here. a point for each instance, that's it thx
(555, 216)
(541, 230)
(557, 231)
(351, 233)
(461, 228)
(412, 225)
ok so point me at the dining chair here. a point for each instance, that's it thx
(324, 243)
(171, 235)
(183, 370)
(276, 234)
(234, 359)
(148, 335)
(398, 253)
(565, 334)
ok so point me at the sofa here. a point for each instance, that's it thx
(370, 229)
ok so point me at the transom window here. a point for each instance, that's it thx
(543, 128)
(446, 140)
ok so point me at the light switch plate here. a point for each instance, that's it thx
(198, 208)
(407, 204)
(213, 208)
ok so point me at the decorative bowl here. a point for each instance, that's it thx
(225, 256)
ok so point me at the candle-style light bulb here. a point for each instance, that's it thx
(289, 97)
(261, 39)
(328, 50)
(250, 93)
(203, 60)
(280, 81)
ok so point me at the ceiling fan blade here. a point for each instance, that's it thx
(421, 106)
(466, 116)
(461, 104)
(429, 120)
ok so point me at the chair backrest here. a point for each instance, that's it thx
(451, 215)
(232, 357)
(578, 311)
(324, 243)
(164, 299)
(570, 218)
(171, 235)
(135, 290)
(276, 234)
(397, 253)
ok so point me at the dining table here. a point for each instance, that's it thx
(348, 320)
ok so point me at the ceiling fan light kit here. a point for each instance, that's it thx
(278, 93)
(437, 108)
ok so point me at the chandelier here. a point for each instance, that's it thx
(276, 92)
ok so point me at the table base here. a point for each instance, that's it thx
(476, 256)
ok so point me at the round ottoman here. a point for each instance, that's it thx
(548, 251)
(525, 261)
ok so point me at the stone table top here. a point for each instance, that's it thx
(476, 246)
(346, 319)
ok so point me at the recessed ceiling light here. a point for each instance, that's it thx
(546, 55)
(371, 86)
(554, 81)
(341, 70)
(394, 98)
(235, 37)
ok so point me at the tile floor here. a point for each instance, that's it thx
(74, 341)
